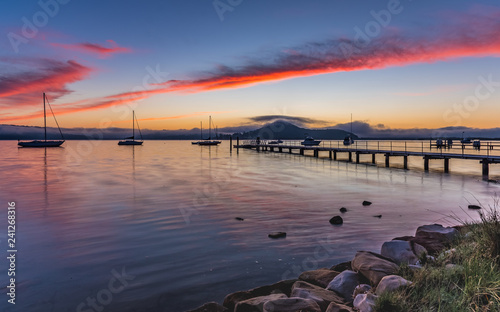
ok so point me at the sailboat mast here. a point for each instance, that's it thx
(44, 119)
(351, 123)
(210, 127)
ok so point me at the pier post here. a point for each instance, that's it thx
(387, 160)
(486, 169)
(426, 163)
(301, 151)
(231, 144)
(334, 155)
(446, 165)
(290, 150)
(373, 158)
(237, 145)
(316, 153)
(350, 156)
(357, 157)
(330, 153)
(280, 149)
(272, 149)
(405, 162)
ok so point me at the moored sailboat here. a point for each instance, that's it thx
(131, 140)
(44, 142)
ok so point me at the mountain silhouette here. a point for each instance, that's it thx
(288, 131)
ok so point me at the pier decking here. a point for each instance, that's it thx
(486, 154)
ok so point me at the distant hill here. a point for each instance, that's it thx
(287, 131)
(276, 130)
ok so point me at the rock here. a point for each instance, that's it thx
(291, 304)
(361, 289)
(390, 283)
(373, 266)
(399, 251)
(210, 307)
(366, 203)
(282, 287)
(475, 207)
(256, 303)
(434, 237)
(277, 235)
(319, 277)
(239, 219)
(377, 216)
(343, 209)
(336, 307)
(344, 284)
(336, 220)
(365, 302)
(342, 266)
(322, 296)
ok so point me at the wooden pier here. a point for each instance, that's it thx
(388, 149)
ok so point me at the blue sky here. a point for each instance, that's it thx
(176, 62)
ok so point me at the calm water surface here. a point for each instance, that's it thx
(161, 217)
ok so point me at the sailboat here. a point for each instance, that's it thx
(209, 141)
(131, 140)
(45, 142)
(348, 140)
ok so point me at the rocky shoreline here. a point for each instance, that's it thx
(345, 287)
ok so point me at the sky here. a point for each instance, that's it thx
(391, 64)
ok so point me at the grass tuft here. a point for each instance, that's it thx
(464, 278)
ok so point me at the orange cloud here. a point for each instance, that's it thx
(94, 48)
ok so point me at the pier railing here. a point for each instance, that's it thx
(486, 148)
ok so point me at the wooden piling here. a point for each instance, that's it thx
(387, 160)
(373, 158)
(350, 156)
(405, 162)
(446, 165)
(426, 163)
(486, 169)
(357, 157)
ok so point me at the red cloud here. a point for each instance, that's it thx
(94, 48)
(24, 87)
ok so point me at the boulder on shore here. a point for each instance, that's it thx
(257, 303)
(366, 203)
(344, 284)
(373, 266)
(336, 307)
(399, 251)
(291, 304)
(322, 296)
(283, 287)
(434, 237)
(365, 302)
(319, 277)
(390, 283)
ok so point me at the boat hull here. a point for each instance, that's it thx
(310, 144)
(130, 143)
(205, 143)
(37, 143)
